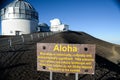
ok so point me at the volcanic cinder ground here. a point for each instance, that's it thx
(20, 63)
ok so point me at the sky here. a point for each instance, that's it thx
(99, 18)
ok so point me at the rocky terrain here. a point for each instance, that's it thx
(19, 62)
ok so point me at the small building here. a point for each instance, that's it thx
(19, 17)
(43, 28)
(56, 25)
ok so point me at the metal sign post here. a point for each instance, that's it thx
(51, 75)
(76, 76)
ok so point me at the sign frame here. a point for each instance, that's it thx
(58, 50)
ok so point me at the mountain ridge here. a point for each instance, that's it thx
(105, 49)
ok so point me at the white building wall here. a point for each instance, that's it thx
(61, 27)
(10, 26)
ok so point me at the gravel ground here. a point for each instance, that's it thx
(21, 64)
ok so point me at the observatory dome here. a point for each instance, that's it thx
(19, 17)
(19, 9)
(43, 25)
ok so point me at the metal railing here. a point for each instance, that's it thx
(17, 42)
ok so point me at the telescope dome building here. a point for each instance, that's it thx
(19, 17)
(57, 26)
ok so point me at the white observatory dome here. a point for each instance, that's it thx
(55, 21)
(57, 26)
(19, 17)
